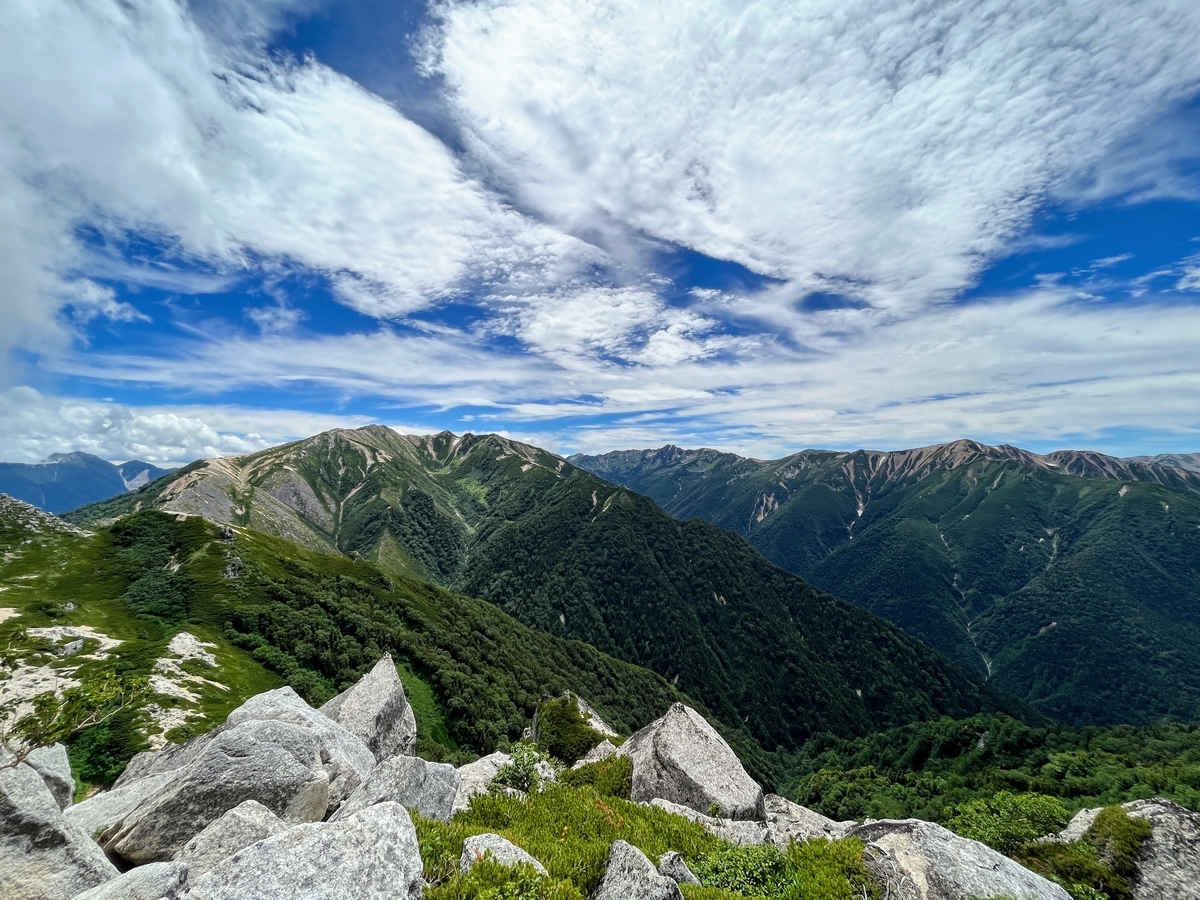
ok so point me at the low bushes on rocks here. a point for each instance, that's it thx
(429, 788)
(371, 855)
(681, 758)
(377, 711)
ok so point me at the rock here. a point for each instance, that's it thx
(101, 811)
(924, 861)
(247, 823)
(70, 648)
(378, 712)
(681, 758)
(157, 881)
(427, 787)
(631, 875)
(474, 778)
(739, 832)
(171, 758)
(502, 851)
(42, 855)
(545, 770)
(671, 865)
(276, 763)
(55, 768)
(788, 821)
(345, 757)
(1168, 864)
(601, 751)
(371, 855)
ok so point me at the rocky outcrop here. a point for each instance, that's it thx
(427, 787)
(101, 811)
(345, 757)
(276, 763)
(52, 764)
(371, 855)
(474, 778)
(671, 865)
(788, 821)
(247, 823)
(377, 711)
(681, 758)
(922, 861)
(601, 751)
(1168, 864)
(736, 831)
(586, 711)
(502, 851)
(156, 881)
(630, 874)
(42, 855)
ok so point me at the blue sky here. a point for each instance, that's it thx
(758, 226)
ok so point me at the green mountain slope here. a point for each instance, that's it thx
(266, 613)
(574, 556)
(1071, 580)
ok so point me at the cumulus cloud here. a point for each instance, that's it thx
(876, 148)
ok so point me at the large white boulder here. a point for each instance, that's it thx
(377, 711)
(55, 768)
(156, 881)
(924, 861)
(372, 855)
(247, 823)
(502, 851)
(276, 763)
(427, 787)
(101, 811)
(42, 855)
(474, 778)
(630, 874)
(681, 758)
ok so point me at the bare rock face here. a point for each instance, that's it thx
(739, 832)
(276, 763)
(378, 712)
(371, 855)
(630, 874)
(788, 821)
(247, 823)
(157, 881)
(100, 812)
(923, 861)
(502, 851)
(671, 865)
(1168, 864)
(681, 758)
(427, 787)
(474, 778)
(344, 755)
(42, 855)
(54, 767)
(601, 751)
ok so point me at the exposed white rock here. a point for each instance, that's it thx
(631, 875)
(103, 810)
(788, 821)
(7, 612)
(924, 861)
(187, 646)
(156, 881)
(474, 778)
(52, 764)
(247, 823)
(671, 865)
(377, 711)
(681, 758)
(27, 682)
(743, 833)
(42, 855)
(427, 787)
(601, 751)
(57, 633)
(372, 855)
(503, 851)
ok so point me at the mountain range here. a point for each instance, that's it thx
(1071, 580)
(581, 559)
(67, 480)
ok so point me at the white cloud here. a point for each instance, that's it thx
(880, 148)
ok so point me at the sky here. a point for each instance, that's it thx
(599, 224)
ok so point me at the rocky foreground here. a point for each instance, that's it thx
(286, 802)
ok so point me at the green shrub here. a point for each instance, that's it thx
(612, 777)
(759, 870)
(562, 731)
(699, 892)
(1006, 821)
(1118, 838)
(488, 880)
(829, 870)
(1077, 867)
(522, 771)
